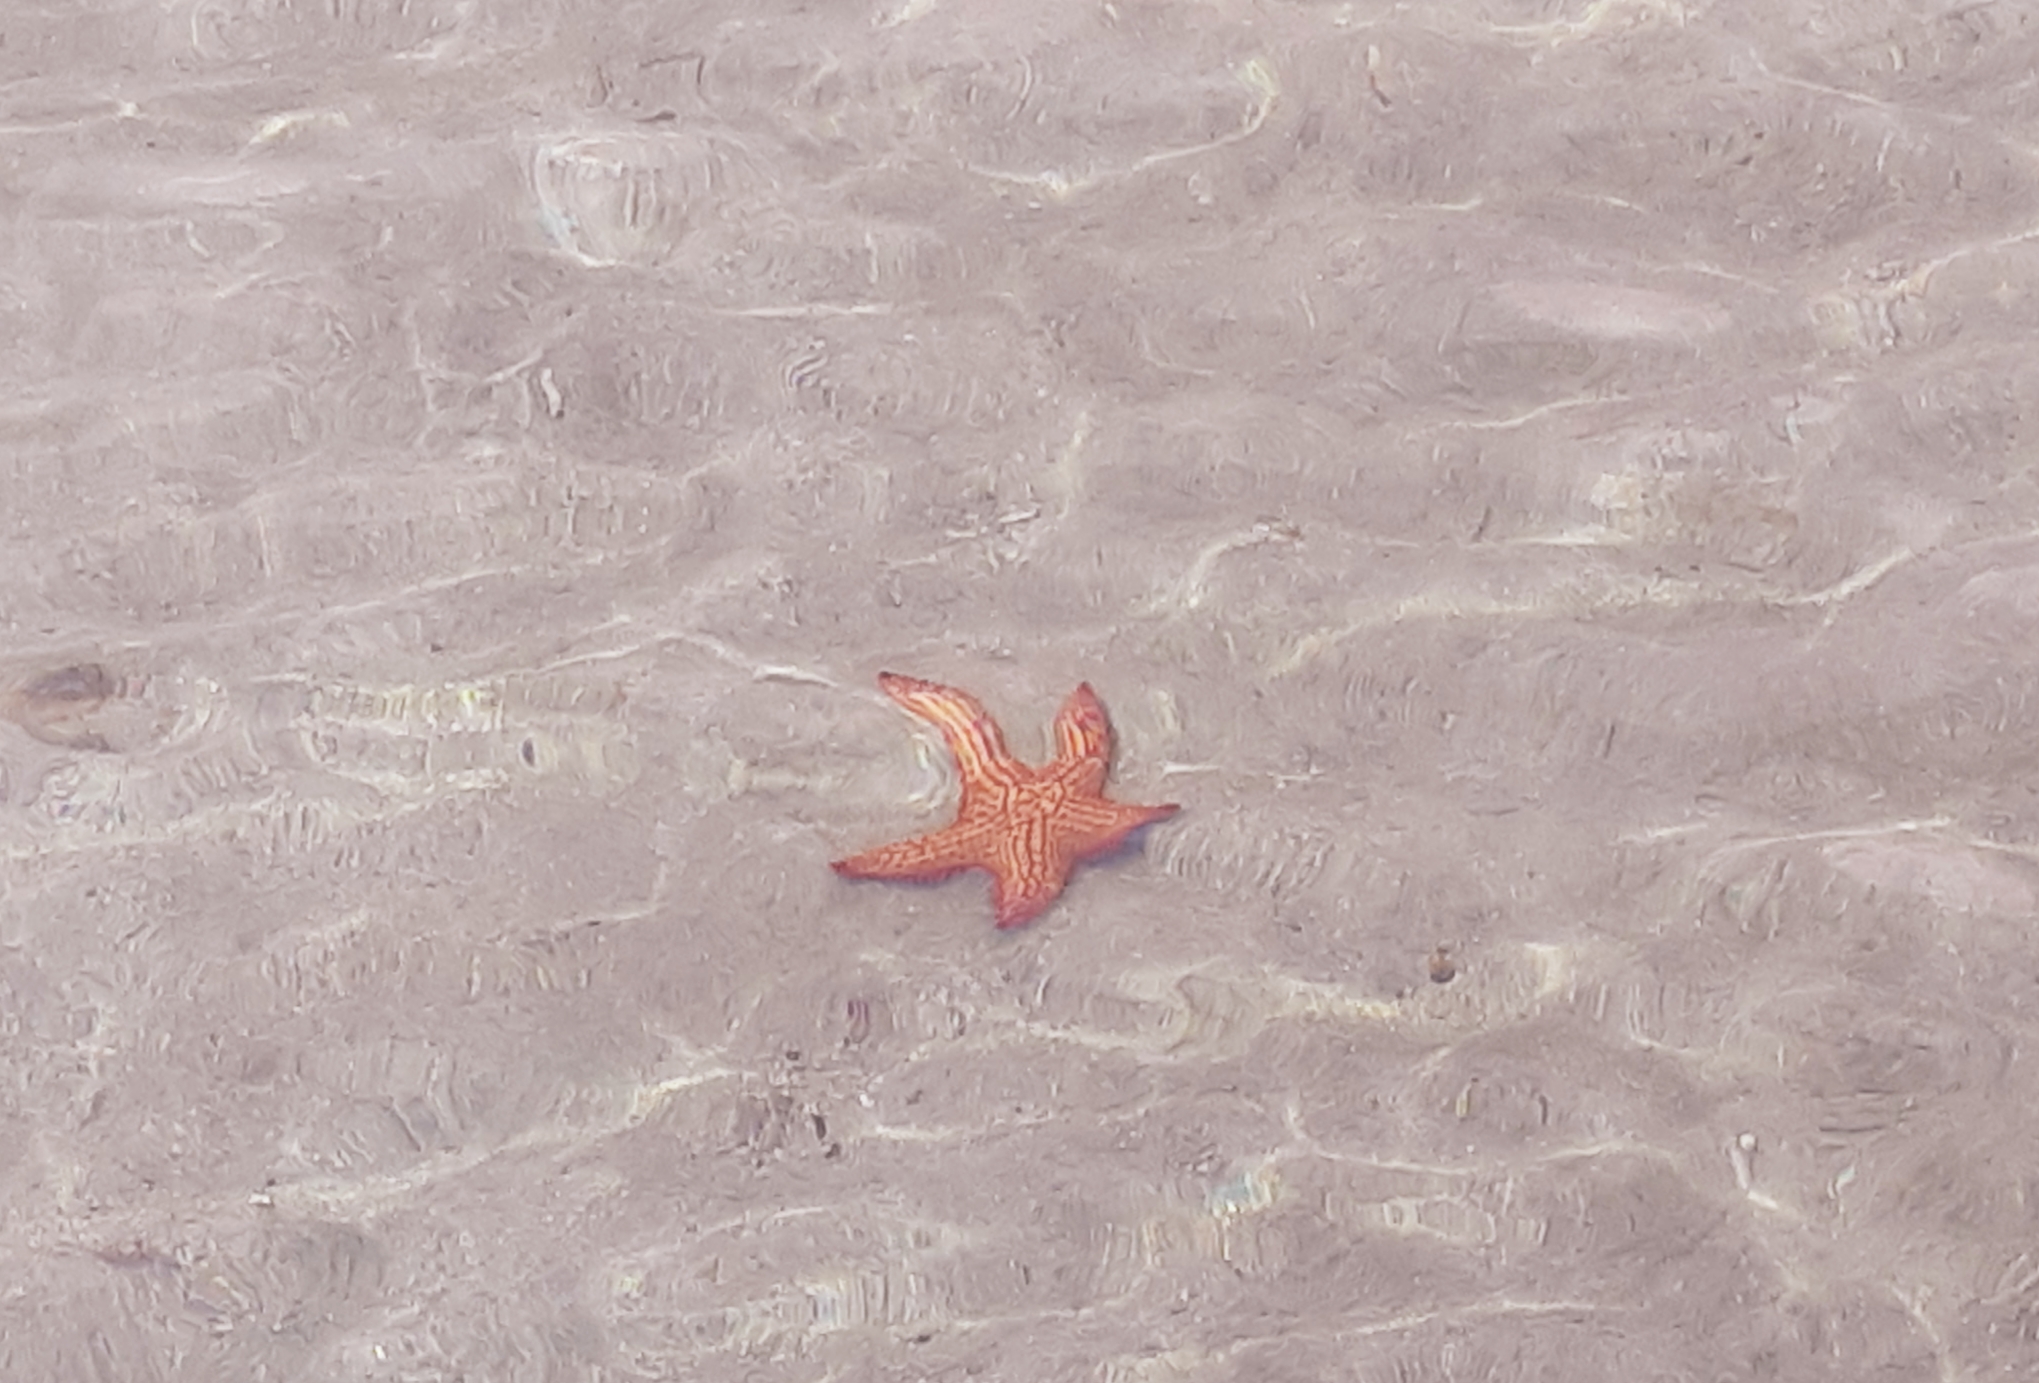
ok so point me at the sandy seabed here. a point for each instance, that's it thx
(1546, 486)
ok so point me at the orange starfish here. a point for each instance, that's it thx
(1028, 827)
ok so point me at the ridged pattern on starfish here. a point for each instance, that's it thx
(1028, 827)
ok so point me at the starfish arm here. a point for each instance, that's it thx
(1083, 741)
(1028, 874)
(1092, 826)
(936, 855)
(983, 763)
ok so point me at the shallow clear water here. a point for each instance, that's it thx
(1547, 488)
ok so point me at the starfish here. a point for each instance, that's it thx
(1028, 827)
